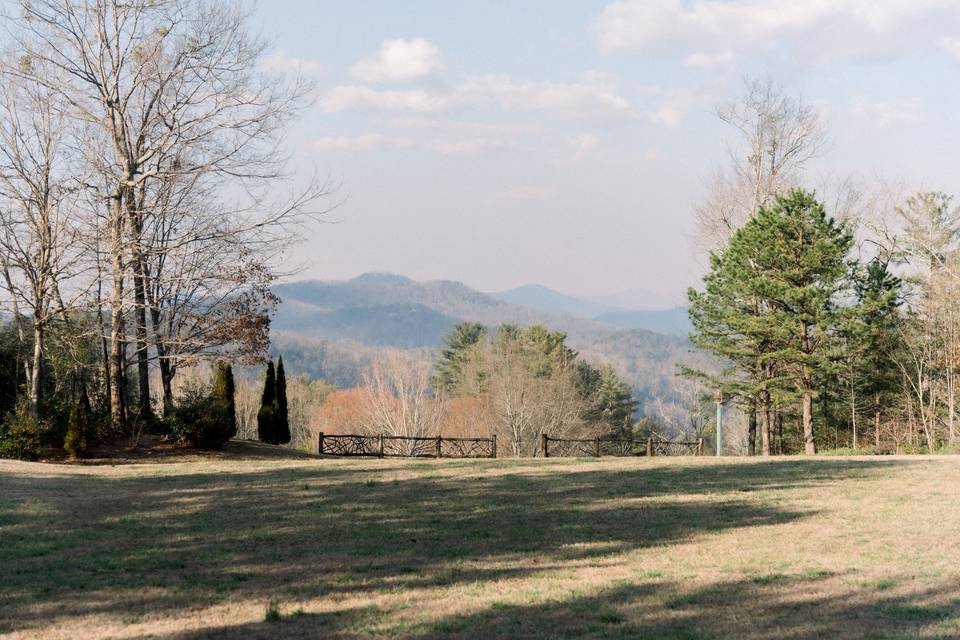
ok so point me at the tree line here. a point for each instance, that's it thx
(831, 311)
(140, 143)
(513, 382)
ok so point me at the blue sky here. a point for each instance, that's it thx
(567, 143)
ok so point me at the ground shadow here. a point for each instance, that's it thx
(83, 544)
(793, 608)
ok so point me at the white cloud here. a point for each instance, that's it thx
(951, 45)
(886, 114)
(820, 30)
(573, 98)
(586, 142)
(667, 116)
(399, 61)
(700, 59)
(499, 91)
(364, 142)
(280, 62)
(527, 193)
(360, 98)
(468, 146)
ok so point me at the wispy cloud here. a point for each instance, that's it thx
(362, 98)
(281, 62)
(399, 61)
(468, 146)
(884, 114)
(709, 32)
(527, 192)
(364, 142)
(580, 99)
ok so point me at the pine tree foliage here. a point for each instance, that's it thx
(280, 409)
(266, 416)
(772, 303)
(458, 347)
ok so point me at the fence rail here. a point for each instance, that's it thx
(406, 446)
(440, 447)
(599, 447)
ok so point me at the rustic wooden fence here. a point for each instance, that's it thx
(406, 446)
(440, 447)
(599, 447)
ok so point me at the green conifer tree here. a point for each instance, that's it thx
(78, 425)
(459, 345)
(771, 301)
(281, 417)
(266, 422)
(223, 391)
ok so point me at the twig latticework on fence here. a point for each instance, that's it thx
(619, 447)
(441, 447)
(406, 446)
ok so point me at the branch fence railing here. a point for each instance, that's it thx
(384, 446)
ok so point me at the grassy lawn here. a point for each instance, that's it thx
(638, 548)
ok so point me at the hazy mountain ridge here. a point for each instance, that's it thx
(336, 329)
(648, 313)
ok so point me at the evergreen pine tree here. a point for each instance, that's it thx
(78, 425)
(771, 303)
(223, 391)
(266, 423)
(281, 417)
(873, 341)
(459, 345)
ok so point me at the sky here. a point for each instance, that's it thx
(500, 143)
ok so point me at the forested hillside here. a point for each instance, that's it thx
(336, 329)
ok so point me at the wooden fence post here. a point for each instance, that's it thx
(596, 448)
(649, 447)
(381, 445)
(320, 443)
(439, 440)
(493, 446)
(543, 445)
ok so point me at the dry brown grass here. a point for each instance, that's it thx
(660, 548)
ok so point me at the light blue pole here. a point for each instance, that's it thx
(719, 424)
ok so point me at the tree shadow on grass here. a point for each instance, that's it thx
(77, 545)
(778, 606)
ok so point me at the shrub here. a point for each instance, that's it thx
(24, 436)
(224, 389)
(266, 416)
(199, 419)
(78, 427)
(281, 414)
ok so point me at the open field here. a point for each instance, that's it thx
(667, 548)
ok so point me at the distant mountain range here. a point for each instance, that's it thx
(335, 329)
(640, 310)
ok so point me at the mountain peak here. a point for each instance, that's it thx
(381, 277)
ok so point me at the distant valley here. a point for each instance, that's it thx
(335, 329)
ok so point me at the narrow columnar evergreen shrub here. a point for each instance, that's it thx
(281, 415)
(223, 391)
(78, 427)
(266, 416)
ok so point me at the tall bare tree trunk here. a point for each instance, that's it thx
(752, 429)
(765, 423)
(809, 444)
(876, 420)
(117, 408)
(145, 408)
(853, 414)
(36, 368)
